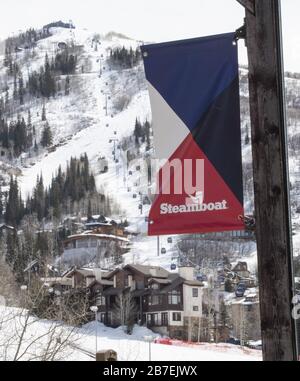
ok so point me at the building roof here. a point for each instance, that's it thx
(177, 282)
(149, 271)
(30, 265)
(87, 272)
(195, 283)
(240, 266)
(103, 282)
(58, 280)
(160, 280)
(5, 226)
(90, 234)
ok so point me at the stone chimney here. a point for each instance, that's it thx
(187, 272)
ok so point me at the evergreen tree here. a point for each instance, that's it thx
(41, 244)
(13, 213)
(36, 148)
(147, 132)
(46, 139)
(49, 80)
(29, 133)
(15, 91)
(11, 247)
(21, 89)
(39, 198)
(1, 204)
(89, 213)
(44, 117)
(137, 131)
(6, 99)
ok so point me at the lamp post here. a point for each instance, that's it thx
(114, 140)
(149, 339)
(107, 98)
(24, 289)
(95, 310)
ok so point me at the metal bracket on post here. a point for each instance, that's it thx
(241, 33)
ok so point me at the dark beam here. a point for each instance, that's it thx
(271, 180)
(249, 5)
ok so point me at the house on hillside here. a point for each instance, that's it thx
(168, 303)
(84, 277)
(37, 268)
(61, 284)
(102, 225)
(245, 318)
(94, 246)
(59, 24)
(241, 270)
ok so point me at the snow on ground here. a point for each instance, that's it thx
(296, 242)
(129, 347)
(144, 251)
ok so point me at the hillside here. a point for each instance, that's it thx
(97, 116)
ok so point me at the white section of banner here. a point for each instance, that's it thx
(169, 130)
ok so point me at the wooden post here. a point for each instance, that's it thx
(271, 178)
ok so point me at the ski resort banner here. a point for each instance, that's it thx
(194, 93)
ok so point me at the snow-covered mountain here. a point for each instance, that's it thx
(98, 116)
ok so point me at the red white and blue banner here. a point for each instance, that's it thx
(194, 94)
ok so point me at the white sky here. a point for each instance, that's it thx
(148, 20)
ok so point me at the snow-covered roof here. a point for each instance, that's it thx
(89, 234)
(89, 272)
(153, 271)
(57, 280)
(5, 226)
(30, 265)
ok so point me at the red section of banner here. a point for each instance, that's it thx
(180, 214)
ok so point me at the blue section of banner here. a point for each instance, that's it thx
(190, 74)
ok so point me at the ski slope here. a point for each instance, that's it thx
(81, 123)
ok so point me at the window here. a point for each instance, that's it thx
(164, 319)
(195, 292)
(152, 320)
(82, 243)
(174, 297)
(155, 300)
(140, 285)
(176, 316)
(100, 300)
(93, 243)
(126, 281)
(195, 308)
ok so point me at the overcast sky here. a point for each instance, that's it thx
(148, 20)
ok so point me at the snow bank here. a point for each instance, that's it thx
(82, 343)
